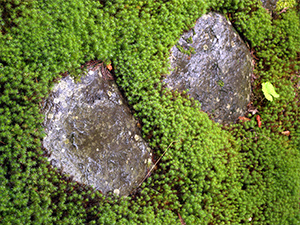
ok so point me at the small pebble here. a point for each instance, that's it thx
(117, 192)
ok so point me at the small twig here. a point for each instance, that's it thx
(181, 220)
(284, 10)
(153, 166)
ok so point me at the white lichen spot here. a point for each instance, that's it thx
(206, 35)
(63, 150)
(69, 93)
(97, 149)
(56, 100)
(137, 137)
(120, 102)
(205, 47)
(232, 44)
(149, 162)
(109, 93)
(117, 192)
(63, 85)
(217, 99)
(149, 149)
(50, 116)
(228, 106)
(58, 115)
(131, 168)
(129, 133)
(64, 104)
(99, 74)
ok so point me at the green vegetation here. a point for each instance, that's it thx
(220, 83)
(210, 174)
(281, 4)
(269, 91)
(189, 51)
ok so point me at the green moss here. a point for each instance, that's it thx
(281, 4)
(220, 83)
(189, 51)
(208, 175)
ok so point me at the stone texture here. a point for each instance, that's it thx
(269, 4)
(93, 136)
(218, 69)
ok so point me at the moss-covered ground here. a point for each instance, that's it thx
(210, 174)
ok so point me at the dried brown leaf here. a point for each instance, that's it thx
(286, 133)
(242, 118)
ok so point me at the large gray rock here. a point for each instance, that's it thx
(216, 71)
(93, 136)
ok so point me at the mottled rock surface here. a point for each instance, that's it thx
(269, 4)
(215, 65)
(93, 136)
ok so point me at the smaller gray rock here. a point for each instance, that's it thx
(269, 4)
(215, 65)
